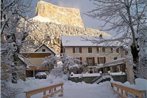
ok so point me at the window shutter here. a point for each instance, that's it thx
(80, 50)
(98, 60)
(104, 60)
(93, 60)
(73, 49)
(117, 50)
(103, 49)
(98, 50)
(80, 60)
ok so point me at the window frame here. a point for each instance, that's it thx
(77, 49)
(89, 49)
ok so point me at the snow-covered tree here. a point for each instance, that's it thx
(69, 63)
(65, 62)
(13, 32)
(51, 61)
(127, 18)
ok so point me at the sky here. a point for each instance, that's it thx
(83, 5)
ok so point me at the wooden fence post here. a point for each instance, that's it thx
(27, 95)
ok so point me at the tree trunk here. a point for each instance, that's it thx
(135, 55)
(130, 73)
(142, 68)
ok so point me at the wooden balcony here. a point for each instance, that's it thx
(45, 68)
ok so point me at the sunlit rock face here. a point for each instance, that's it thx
(59, 15)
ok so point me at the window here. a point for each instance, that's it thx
(117, 50)
(98, 49)
(43, 50)
(101, 60)
(77, 50)
(89, 49)
(103, 49)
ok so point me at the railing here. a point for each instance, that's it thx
(124, 91)
(53, 89)
(38, 68)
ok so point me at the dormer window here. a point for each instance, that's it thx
(43, 50)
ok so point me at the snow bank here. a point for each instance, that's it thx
(140, 84)
(95, 74)
(85, 75)
(117, 73)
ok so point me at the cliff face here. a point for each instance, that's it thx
(59, 15)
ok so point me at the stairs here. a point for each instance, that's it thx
(102, 78)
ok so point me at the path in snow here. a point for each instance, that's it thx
(83, 90)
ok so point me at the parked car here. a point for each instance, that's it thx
(41, 75)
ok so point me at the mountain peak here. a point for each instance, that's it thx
(59, 15)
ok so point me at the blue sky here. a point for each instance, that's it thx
(83, 5)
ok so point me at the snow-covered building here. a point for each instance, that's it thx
(36, 59)
(90, 52)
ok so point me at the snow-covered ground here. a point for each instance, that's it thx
(83, 90)
(71, 89)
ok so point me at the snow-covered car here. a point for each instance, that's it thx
(41, 75)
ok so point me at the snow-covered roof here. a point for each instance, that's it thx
(25, 60)
(86, 41)
(43, 45)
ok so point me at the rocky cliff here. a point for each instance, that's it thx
(59, 15)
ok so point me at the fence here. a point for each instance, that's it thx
(124, 91)
(53, 89)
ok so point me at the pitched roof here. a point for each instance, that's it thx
(86, 41)
(46, 47)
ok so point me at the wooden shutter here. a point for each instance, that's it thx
(93, 60)
(80, 60)
(73, 49)
(98, 50)
(80, 49)
(103, 49)
(104, 60)
(98, 61)
(117, 50)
